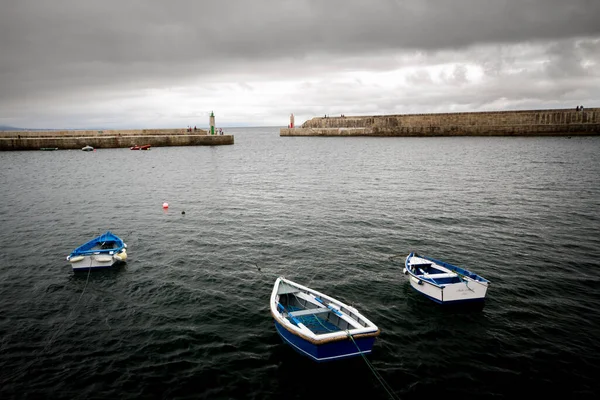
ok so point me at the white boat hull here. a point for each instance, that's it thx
(451, 293)
(444, 283)
(97, 261)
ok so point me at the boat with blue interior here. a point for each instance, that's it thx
(101, 252)
(444, 283)
(319, 326)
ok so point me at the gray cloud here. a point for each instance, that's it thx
(63, 54)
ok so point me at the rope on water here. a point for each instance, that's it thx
(57, 332)
(264, 271)
(382, 381)
(392, 258)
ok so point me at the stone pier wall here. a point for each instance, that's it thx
(35, 140)
(100, 133)
(500, 123)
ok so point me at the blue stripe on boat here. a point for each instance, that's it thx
(329, 351)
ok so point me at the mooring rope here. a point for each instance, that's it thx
(392, 258)
(460, 276)
(385, 385)
(57, 332)
(314, 316)
(382, 381)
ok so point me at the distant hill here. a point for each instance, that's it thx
(10, 128)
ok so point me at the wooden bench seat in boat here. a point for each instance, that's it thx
(309, 311)
(421, 265)
(439, 276)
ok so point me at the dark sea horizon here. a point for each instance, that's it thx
(188, 316)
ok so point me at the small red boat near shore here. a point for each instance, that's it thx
(144, 147)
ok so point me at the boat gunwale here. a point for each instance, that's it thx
(332, 337)
(431, 278)
(109, 236)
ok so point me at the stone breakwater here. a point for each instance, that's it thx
(35, 140)
(558, 122)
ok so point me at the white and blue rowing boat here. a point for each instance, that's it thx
(444, 283)
(319, 326)
(101, 252)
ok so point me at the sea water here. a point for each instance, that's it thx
(188, 316)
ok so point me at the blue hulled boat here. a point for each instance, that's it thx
(319, 326)
(100, 252)
(444, 283)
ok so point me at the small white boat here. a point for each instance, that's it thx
(101, 252)
(319, 326)
(87, 148)
(444, 283)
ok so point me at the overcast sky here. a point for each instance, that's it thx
(169, 63)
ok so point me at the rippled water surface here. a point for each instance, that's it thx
(188, 316)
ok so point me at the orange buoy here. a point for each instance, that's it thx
(165, 205)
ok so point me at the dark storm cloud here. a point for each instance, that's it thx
(159, 37)
(52, 49)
